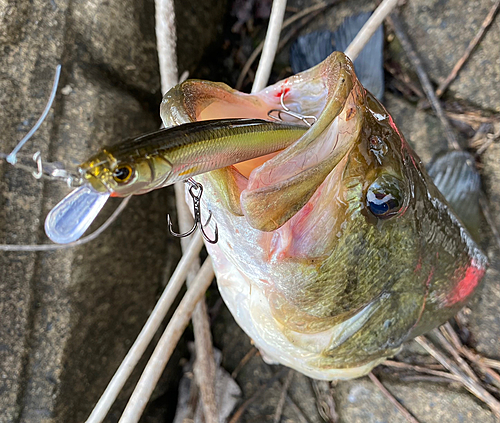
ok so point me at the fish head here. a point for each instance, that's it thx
(336, 250)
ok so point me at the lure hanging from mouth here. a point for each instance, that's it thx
(159, 159)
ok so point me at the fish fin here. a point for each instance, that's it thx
(311, 49)
(455, 175)
(369, 65)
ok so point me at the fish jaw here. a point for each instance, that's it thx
(319, 282)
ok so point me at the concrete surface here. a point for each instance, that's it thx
(68, 317)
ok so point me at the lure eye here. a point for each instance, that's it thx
(384, 197)
(122, 174)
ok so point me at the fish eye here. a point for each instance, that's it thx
(384, 197)
(122, 173)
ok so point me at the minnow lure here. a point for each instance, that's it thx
(159, 159)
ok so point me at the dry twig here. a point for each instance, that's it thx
(455, 354)
(391, 398)
(369, 28)
(453, 74)
(204, 366)
(270, 44)
(167, 344)
(475, 358)
(144, 338)
(166, 43)
(283, 395)
(286, 23)
(421, 369)
(297, 410)
(424, 79)
(468, 382)
(248, 356)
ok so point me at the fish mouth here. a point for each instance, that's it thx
(273, 188)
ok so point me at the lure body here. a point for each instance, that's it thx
(155, 160)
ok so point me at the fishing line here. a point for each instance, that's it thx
(54, 171)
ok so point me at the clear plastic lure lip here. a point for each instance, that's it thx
(72, 216)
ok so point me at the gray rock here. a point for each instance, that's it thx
(441, 31)
(483, 315)
(69, 317)
(361, 401)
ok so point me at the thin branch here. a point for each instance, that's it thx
(494, 364)
(420, 369)
(166, 43)
(258, 50)
(270, 45)
(454, 72)
(204, 366)
(167, 344)
(248, 356)
(468, 382)
(153, 323)
(391, 398)
(425, 378)
(455, 354)
(297, 410)
(369, 28)
(470, 355)
(281, 402)
(424, 79)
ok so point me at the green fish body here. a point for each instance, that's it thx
(338, 249)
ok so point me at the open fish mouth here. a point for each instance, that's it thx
(336, 250)
(329, 91)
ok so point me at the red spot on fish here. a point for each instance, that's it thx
(466, 285)
(283, 92)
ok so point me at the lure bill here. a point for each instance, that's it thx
(159, 159)
(72, 216)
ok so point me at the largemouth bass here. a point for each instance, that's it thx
(339, 248)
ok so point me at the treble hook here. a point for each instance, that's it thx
(289, 112)
(196, 191)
